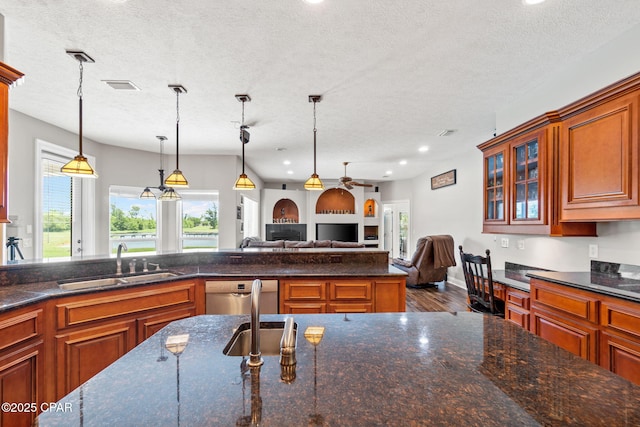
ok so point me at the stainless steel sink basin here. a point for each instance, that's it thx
(270, 336)
(110, 281)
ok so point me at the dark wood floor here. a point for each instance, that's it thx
(445, 297)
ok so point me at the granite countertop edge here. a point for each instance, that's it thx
(590, 281)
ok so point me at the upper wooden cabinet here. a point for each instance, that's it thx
(520, 181)
(8, 76)
(599, 155)
(586, 168)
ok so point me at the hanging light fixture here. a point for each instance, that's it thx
(79, 167)
(177, 179)
(167, 193)
(314, 182)
(243, 182)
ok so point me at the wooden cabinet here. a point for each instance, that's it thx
(517, 304)
(600, 328)
(599, 152)
(94, 331)
(8, 76)
(520, 181)
(363, 295)
(22, 364)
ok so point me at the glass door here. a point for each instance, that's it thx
(526, 200)
(494, 187)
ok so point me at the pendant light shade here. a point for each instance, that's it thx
(243, 182)
(79, 167)
(166, 195)
(147, 194)
(177, 179)
(169, 195)
(314, 182)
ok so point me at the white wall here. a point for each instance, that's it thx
(457, 210)
(119, 166)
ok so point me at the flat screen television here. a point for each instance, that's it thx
(341, 232)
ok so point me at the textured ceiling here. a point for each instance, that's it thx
(392, 74)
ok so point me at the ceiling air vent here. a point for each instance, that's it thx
(446, 132)
(121, 84)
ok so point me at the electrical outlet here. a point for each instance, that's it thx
(521, 244)
(504, 242)
(593, 251)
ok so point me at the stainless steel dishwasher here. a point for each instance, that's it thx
(234, 297)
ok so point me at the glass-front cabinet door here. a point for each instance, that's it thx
(527, 179)
(495, 186)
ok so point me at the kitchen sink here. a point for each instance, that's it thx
(110, 281)
(270, 336)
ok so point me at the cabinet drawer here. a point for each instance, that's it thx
(304, 308)
(518, 316)
(572, 301)
(350, 290)
(305, 290)
(149, 325)
(356, 307)
(78, 312)
(18, 328)
(518, 299)
(621, 318)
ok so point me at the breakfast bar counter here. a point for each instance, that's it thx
(368, 369)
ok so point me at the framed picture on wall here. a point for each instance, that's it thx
(443, 180)
(238, 212)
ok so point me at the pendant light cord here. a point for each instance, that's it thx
(315, 131)
(177, 126)
(241, 136)
(80, 108)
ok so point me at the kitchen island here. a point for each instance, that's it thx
(372, 369)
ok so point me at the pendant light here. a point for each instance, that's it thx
(243, 182)
(79, 167)
(314, 182)
(177, 179)
(167, 193)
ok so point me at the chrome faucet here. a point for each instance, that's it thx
(255, 357)
(288, 344)
(121, 246)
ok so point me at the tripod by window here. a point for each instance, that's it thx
(12, 244)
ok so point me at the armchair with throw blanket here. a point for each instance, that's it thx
(433, 255)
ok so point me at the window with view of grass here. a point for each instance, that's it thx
(132, 220)
(199, 225)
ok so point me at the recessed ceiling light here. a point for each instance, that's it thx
(423, 149)
(290, 172)
(286, 162)
(532, 1)
(388, 172)
(403, 162)
(121, 84)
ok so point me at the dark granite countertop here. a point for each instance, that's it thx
(617, 286)
(376, 369)
(516, 279)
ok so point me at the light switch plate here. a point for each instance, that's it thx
(504, 242)
(593, 251)
(521, 244)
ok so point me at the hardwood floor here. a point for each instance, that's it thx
(445, 297)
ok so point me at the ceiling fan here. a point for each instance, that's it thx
(347, 182)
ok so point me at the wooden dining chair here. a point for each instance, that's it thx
(480, 284)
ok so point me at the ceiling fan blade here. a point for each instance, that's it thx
(359, 184)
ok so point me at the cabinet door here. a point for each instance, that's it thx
(580, 338)
(22, 382)
(599, 162)
(621, 356)
(389, 295)
(83, 353)
(528, 179)
(352, 290)
(495, 186)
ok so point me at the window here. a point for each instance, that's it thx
(199, 225)
(132, 220)
(63, 214)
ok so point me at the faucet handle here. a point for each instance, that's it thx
(157, 266)
(132, 266)
(144, 265)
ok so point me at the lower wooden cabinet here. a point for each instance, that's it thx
(149, 325)
(321, 295)
(600, 328)
(517, 305)
(83, 353)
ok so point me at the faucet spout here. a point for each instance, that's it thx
(255, 357)
(121, 246)
(288, 344)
